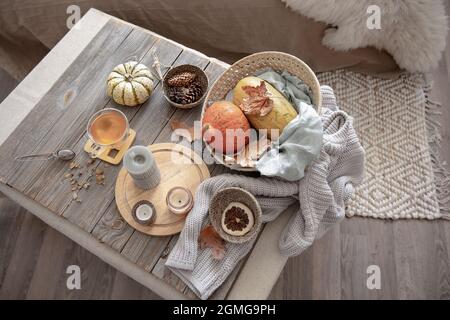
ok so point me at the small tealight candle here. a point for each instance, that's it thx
(144, 212)
(179, 200)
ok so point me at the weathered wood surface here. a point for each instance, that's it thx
(59, 121)
(40, 80)
(33, 256)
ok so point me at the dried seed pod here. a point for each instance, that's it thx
(182, 79)
(186, 95)
(195, 91)
(73, 165)
(68, 175)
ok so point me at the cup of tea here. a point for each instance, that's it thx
(108, 127)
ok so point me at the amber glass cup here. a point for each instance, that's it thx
(107, 128)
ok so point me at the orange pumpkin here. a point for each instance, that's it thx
(225, 127)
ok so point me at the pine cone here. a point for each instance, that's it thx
(194, 92)
(182, 79)
(186, 95)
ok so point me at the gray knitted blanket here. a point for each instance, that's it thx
(322, 193)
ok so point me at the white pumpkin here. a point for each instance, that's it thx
(130, 83)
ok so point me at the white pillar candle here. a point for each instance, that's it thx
(141, 166)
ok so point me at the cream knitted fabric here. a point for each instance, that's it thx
(322, 192)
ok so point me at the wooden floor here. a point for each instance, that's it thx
(413, 256)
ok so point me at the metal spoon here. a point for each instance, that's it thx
(63, 154)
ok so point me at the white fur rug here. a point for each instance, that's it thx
(414, 32)
(405, 177)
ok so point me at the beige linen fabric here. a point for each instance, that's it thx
(227, 30)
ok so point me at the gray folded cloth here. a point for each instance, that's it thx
(327, 184)
(301, 140)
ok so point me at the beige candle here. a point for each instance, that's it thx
(144, 212)
(179, 200)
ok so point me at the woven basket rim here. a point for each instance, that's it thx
(275, 53)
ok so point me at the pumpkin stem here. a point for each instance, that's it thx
(205, 128)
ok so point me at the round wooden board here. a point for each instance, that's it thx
(188, 171)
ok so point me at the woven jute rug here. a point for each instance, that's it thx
(396, 122)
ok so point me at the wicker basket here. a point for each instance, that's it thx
(250, 65)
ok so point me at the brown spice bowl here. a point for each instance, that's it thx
(221, 200)
(201, 78)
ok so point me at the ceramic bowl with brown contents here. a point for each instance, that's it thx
(185, 86)
(235, 214)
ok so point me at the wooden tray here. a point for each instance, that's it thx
(188, 174)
